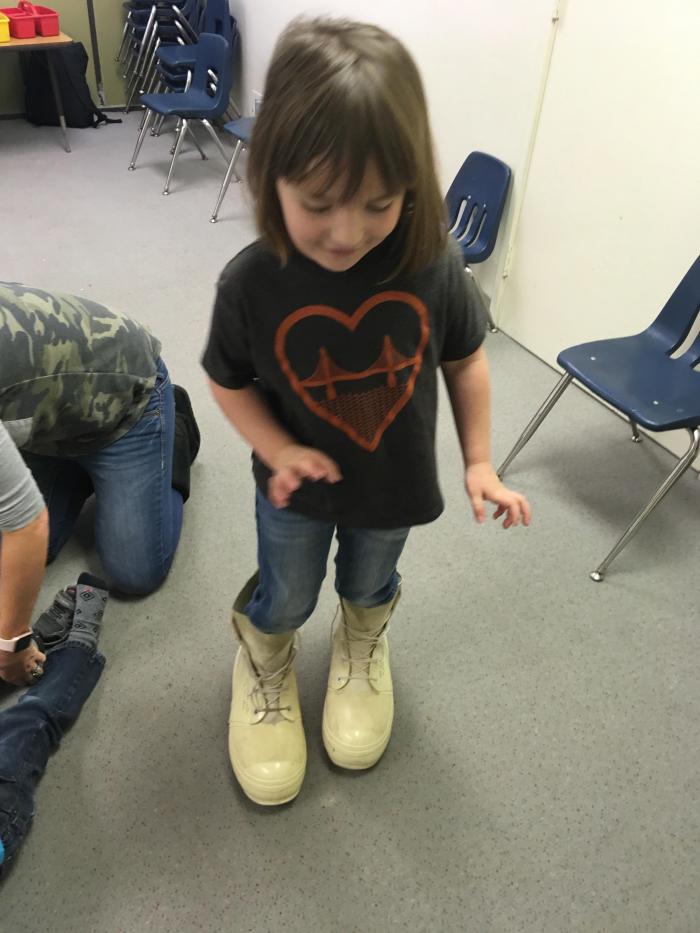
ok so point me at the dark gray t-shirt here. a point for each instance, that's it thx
(348, 361)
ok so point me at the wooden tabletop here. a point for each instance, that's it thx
(38, 42)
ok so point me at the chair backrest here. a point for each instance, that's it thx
(213, 71)
(676, 318)
(475, 203)
(217, 19)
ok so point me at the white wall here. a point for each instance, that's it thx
(611, 216)
(480, 62)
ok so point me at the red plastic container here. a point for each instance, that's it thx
(22, 25)
(45, 19)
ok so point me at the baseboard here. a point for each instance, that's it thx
(113, 108)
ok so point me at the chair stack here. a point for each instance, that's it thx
(189, 79)
(150, 25)
(203, 99)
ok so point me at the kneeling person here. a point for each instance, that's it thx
(87, 400)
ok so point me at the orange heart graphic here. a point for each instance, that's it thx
(363, 416)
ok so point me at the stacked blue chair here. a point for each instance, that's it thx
(475, 203)
(206, 98)
(150, 26)
(174, 61)
(640, 377)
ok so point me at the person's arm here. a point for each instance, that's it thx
(24, 532)
(291, 463)
(22, 562)
(470, 396)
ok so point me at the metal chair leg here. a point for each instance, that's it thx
(142, 135)
(145, 39)
(125, 39)
(212, 133)
(158, 126)
(682, 465)
(232, 111)
(181, 136)
(143, 119)
(153, 83)
(636, 436)
(541, 414)
(143, 63)
(158, 123)
(150, 73)
(484, 299)
(194, 139)
(227, 180)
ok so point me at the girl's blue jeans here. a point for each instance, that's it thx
(292, 558)
(138, 515)
(32, 728)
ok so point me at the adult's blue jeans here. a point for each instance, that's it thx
(292, 558)
(32, 728)
(138, 515)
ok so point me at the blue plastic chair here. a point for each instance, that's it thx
(475, 203)
(242, 131)
(640, 378)
(216, 20)
(206, 99)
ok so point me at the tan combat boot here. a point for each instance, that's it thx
(266, 734)
(359, 708)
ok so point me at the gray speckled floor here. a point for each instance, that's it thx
(543, 773)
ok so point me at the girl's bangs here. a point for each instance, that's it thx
(340, 142)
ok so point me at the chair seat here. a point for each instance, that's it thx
(177, 56)
(242, 128)
(191, 105)
(635, 376)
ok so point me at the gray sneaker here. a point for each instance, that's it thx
(53, 625)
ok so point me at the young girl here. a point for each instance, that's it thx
(326, 338)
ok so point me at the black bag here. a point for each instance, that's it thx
(70, 65)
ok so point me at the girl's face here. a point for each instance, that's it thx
(334, 233)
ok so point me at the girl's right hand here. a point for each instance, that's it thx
(292, 465)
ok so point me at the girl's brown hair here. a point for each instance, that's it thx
(339, 94)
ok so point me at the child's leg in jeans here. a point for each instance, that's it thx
(33, 728)
(359, 708)
(266, 734)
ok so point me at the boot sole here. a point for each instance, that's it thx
(352, 758)
(270, 795)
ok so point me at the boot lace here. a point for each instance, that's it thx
(269, 685)
(361, 658)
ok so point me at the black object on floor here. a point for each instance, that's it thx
(70, 65)
(54, 624)
(187, 442)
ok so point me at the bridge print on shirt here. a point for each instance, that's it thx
(360, 402)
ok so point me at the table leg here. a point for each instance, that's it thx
(57, 98)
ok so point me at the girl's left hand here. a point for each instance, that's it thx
(483, 484)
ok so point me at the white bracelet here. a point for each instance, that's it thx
(9, 644)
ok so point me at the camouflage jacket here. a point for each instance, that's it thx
(74, 376)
